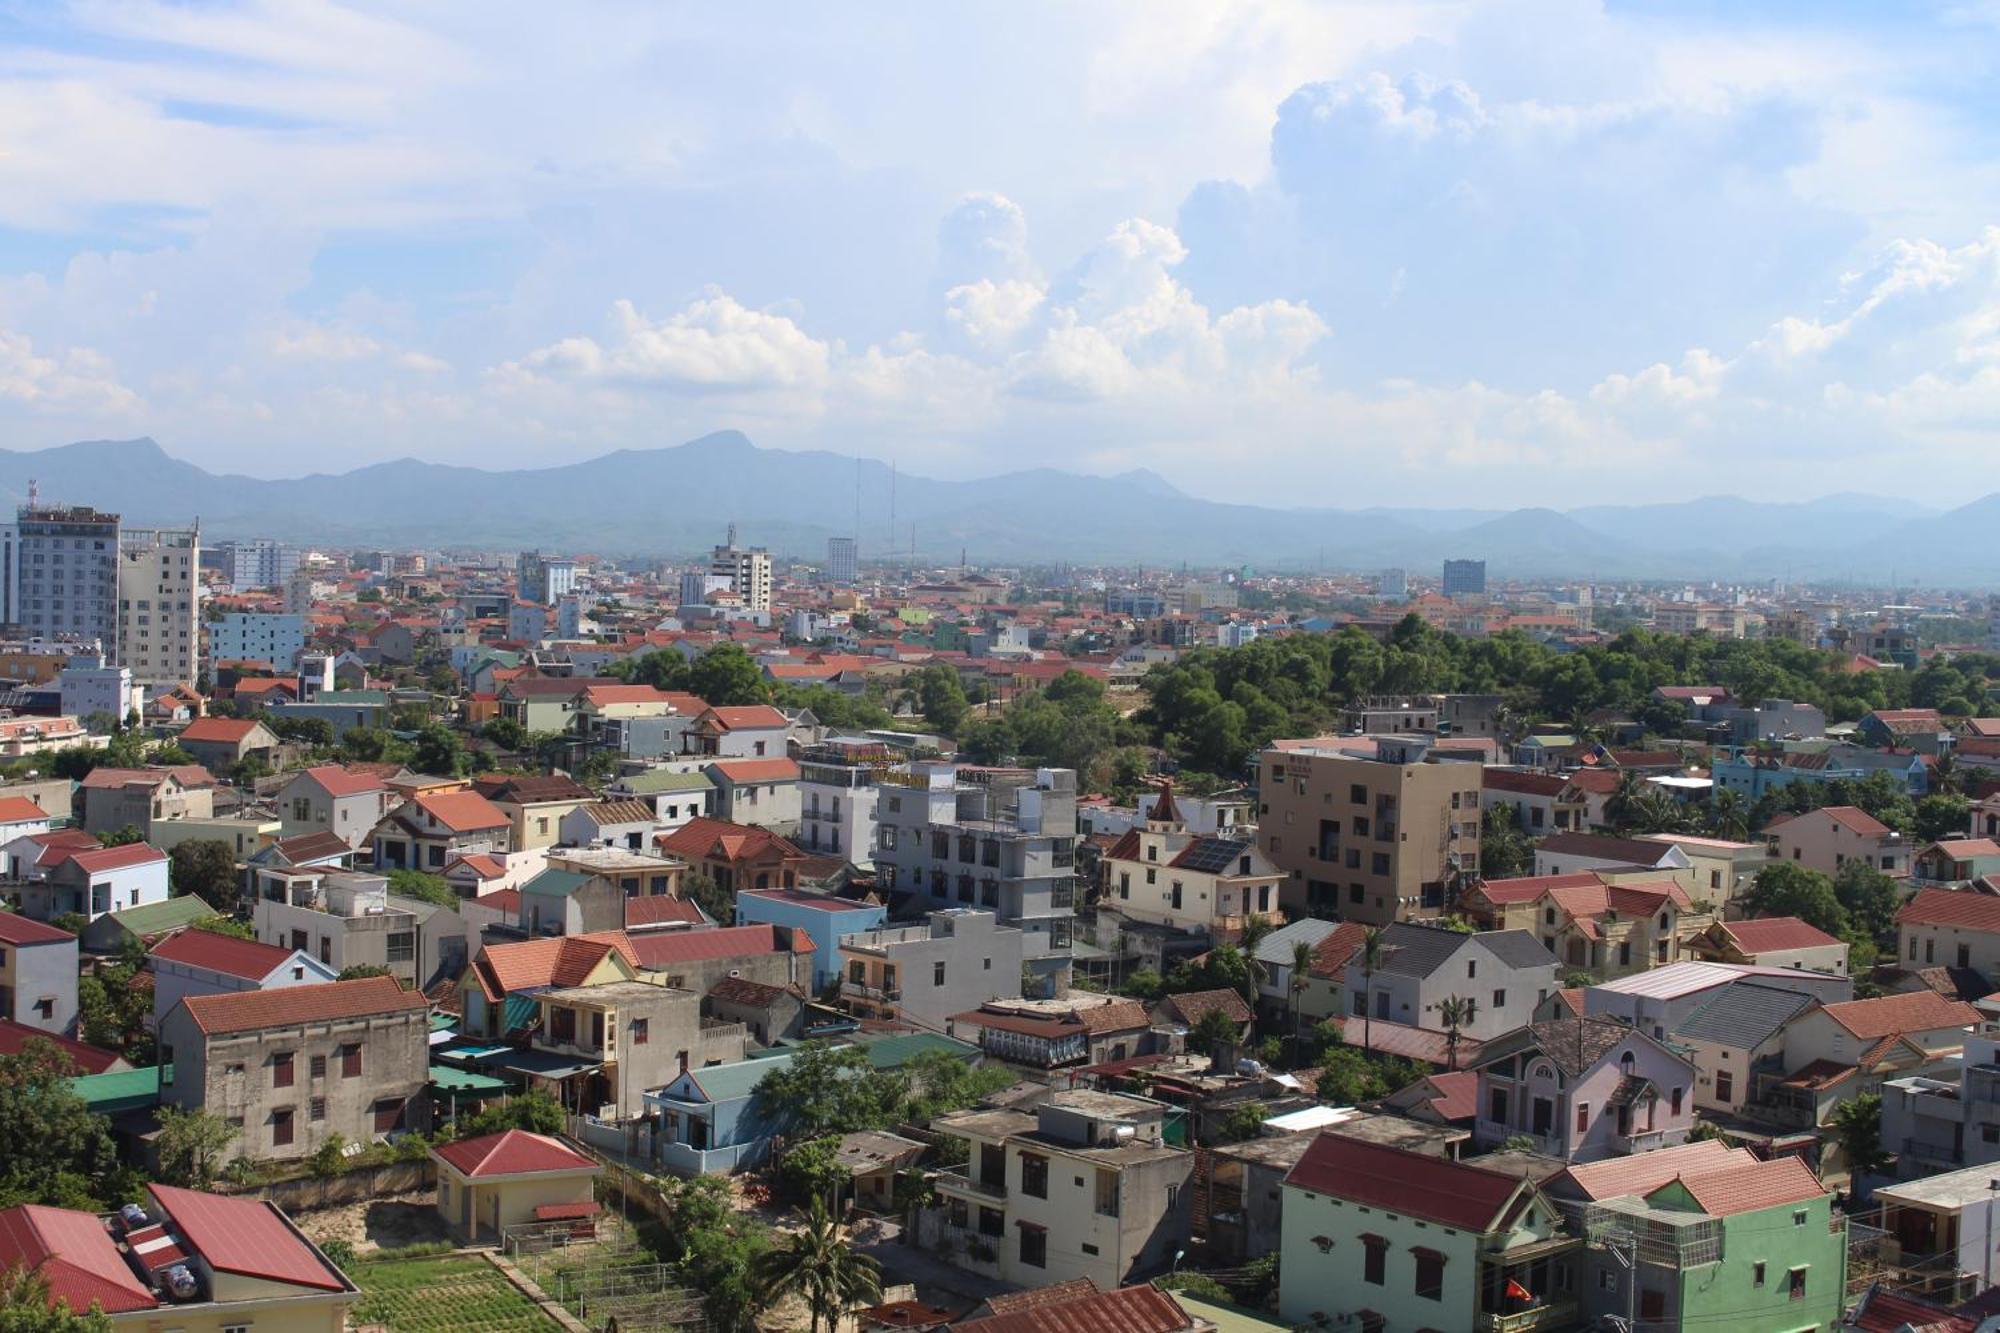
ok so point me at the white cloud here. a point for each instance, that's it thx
(713, 343)
(79, 383)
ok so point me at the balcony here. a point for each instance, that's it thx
(1941, 1155)
(1642, 1140)
(1556, 1314)
(872, 992)
(964, 1184)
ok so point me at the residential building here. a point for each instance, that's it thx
(426, 831)
(626, 824)
(1464, 578)
(115, 799)
(344, 710)
(747, 569)
(598, 1047)
(500, 1184)
(1572, 853)
(1377, 1237)
(328, 798)
(1956, 861)
(759, 792)
(1541, 802)
(840, 559)
(1828, 838)
(1276, 952)
(824, 918)
(202, 962)
(1207, 884)
(837, 798)
(582, 890)
(733, 856)
(220, 743)
(1835, 1052)
(1950, 928)
(1079, 1029)
(1508, 972)
(291, 1068)
(1719, 869)
(999, 839)
(544, 580)
(1659, 1001)
(675, 798)
(535, 806)
(90, 881)
(182, 1260)
(1583, 1089)
(65, 583)
(1922, 730)
(1774, 941)
(751, 731)
(1939, 1236)
(260, 563)
(243, 636)
(924, 974)
(1373, 840)
(38, 974)
(159, 605)
(345, 919)
(116, 932)
(1084, 1185)
(92, 686)
(1734, 1034)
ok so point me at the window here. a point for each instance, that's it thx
(641, 1031)
(350, 1059)
(1471, 967)
(1725, 1085)
(318, 1066)
(1374, 1260)
(1799, 1218)
(1583, 1117)
(1798, 1284)
(402, 946)
(281, 1070)
(1034, 1247)
(45, 1008)
(281, 1128)
(1107, 1194)
(1357, 794)
(937, 973)
(992, 1222)
(318, 1111)
(1034, 1176)
(1430, 1274)
(1496, 1106)
(1499, 999)
(1674, 1101)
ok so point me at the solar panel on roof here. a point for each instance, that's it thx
(1210, 855)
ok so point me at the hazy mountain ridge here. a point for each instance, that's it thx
(678, 500)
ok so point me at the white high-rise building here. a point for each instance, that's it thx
(748, 569)
(841, 559)
(159, 604)
(66, 580)
(247, 637)
(544, 579)
(260, 563)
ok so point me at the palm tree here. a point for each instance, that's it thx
(1254, 931)
(1729, 815)
(1371, 958)
(1944, 777)
(1622, 806)
(1456, 1012)
(1302, 961)
(820, 1267)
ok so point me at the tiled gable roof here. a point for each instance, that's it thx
(559, 960)
(1891, 1015)
(1743, 1187)
(1773, 933)
(250, 960)
(513, 1152)
(1142, 1309)
(1642, 1173)
(332, 1001)
(246, 1236)
(73, 1253)
(461, 811)
(1193, 1006)
(1432, 1189)
(1951, 907)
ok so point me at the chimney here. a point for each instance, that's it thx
(684, 1062)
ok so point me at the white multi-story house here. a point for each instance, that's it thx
(246, 637)
(837, 796)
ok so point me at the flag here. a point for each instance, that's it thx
(1517, 1292)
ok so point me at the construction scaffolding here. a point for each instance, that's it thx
(1659, 1237)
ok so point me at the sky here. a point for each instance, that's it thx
(1403, 254)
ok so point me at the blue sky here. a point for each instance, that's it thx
(1385, 253)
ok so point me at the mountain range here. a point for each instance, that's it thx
(676, 501)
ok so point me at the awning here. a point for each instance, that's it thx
(448, 1079)
(563, 1212)
(1026, 1225)
(473, 1053)
(543, 1064)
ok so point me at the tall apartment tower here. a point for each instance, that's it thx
(65, 580)
(259, 563)
(544, 579)
(840, 559)
(748, 569)
(159, 605)
(1464, 578)
(1370, 840)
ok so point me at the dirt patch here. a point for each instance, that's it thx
(386, 1224)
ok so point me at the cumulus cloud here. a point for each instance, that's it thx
(76, 383)
(714, 343)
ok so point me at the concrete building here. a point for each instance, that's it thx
(66, 576)
(1161, 874)
(114, 799)
(759, 792)
(345, 919)
(202, 962)
(1378, 1237)
(840, 559)
(630, 1036)
(1950, 928)
(490, 1185)
(38, 974)
(924, 974)
(89, 881)
(91, 686)
(1508, 972)
(220, 743)
(290, 1069)
(1828, 838)
(1084, 1186)
(242, 636)
(258, 563)
(1000, 839)
(1941, 1232)
(544, 580)
(328, 798)
(1464, 578)
(159, 605)
(587, 889)
(1583, 1089)
(823, 917)
(427, 831)
(1775, 941)
(748, 570)
(1367, 839)
(837, 799)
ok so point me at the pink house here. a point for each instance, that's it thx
(1583, 1089)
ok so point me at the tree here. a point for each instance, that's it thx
(1456, 1013)
(439, 751)
(329, 1159)
(535, 1111)
(206, 868)
(1729, 815)
(26, 1307)
(1302, 965)
(812, 1171)
(1212, 1031)
(1788, 889)
(506, 733)
(710, 897)
(726, 677)
(246, 771)
(190, 1145)
(424, 887)
(1504, 851)
(941, 1082)
(829, 1090)
(1857, 1127)
(817, 1265)
(940, 698)
(1942, 816)
(1371, 959)
(58, 1152)
(313, 731)
(123, 837)
(357, 971)
(217, 924)
(1870, 899)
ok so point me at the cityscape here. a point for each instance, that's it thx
(1389, 722)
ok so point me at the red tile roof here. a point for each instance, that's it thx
(821, 902)
(18, 930)
(332, 1001)
(1951, 907)
(756, 717)
(462, 811)
(1330, 955)
(703, 837)
(560, 960)
(1743, 1187)
(1527, 888)
(1851, 817)
(20, 810)
(1642, 1173)
(483, 864)
(659, 950)
(757, 770)
(251, 960)
(1195, 1005)
(660, 910)
(1457, 1094)
(73, 1253)
(338, 781)
(218, 730)
(1772, 933)
(14, 1038)
(95, 861)
(1433, 1189)
(513, 1152)
(246, 1236)
(1523, 783)
(1128, 1310)
(1890, 1015)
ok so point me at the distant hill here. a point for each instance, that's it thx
(679, 500)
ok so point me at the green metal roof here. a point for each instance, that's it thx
(556, 882)
(347, 698)
(893, 1052)
(126, 1090)
(661, 780)
(737, 1080)
(169, 915)
(451, 1079)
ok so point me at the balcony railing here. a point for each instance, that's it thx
(1556, 1314)
(1644, 1140)
(873, 992)
(1942, 1154)
(958, 1180)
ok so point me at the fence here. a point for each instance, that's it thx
(359, 1185)
(608, 1276)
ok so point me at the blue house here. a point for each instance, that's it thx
(711, 1120)
(1753, 774)
(819, 915)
